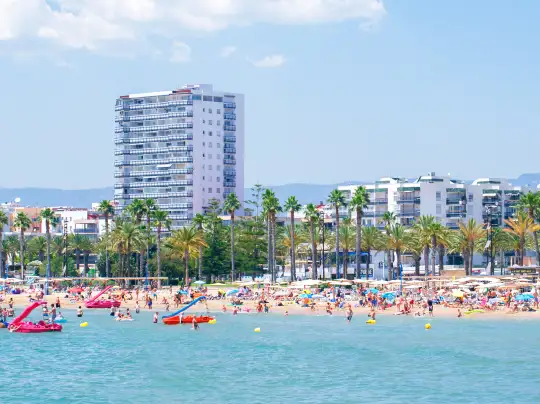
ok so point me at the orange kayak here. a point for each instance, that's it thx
(186, 320)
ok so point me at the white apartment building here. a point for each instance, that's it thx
(181, 147)
(448, 200)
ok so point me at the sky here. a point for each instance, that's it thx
(336, 90)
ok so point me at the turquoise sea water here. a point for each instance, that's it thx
(293, 360)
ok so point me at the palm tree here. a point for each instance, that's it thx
(444, 241)
(397, 241)
(161, 220)
(149, 207)
(271, 207)
(78, 243)
(107, 209)
(358, 203)
(469, 235)
(389, 219)
(22, 222)
(372, 239)
(312, 216)
(424, 227)
(285, 240)
(436, 232)
(347, 238)
(137, 210)
(530, 202)
(126, 238)
(4, 220)
(292, 206)
(337, 199)
(520, 227)
(185, 242)
(199, 221)
(37, 246)
(50, 218)
(12, 246)
(415, 246)
(87, 248)
(231, 205)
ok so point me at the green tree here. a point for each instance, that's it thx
(347, 239)
(107, 209)
(530, 203)
(312, 216)
(37, 247)
(4, 220)
(337, 200)
(424, 227)
(468, 237)
(520, 227)
(185, 242)
(292, 206)
(161, 221)
(271, 207)
(231, 205)
(23, 223)
(256, 193)
(198, 221)
(359, 202)
(389, 219)
(397, 241)
(126, 238)
(51, 219)
(372, 239)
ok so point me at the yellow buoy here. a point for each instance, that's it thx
(371, 321)
(212, 321)
(427, 326)
(257, 329)
(85, 324)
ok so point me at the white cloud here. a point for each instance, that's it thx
(90, 24)
(270, 61)
(181, 53)
(227, 51)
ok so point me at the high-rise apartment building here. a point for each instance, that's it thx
(181, 148)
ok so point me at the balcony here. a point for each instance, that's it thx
(231, 128)
(154, 184)
(229, 139)
(229, 115)
(187, 148)
(379, 201)
(182, 205)
(415, 201)
(229, 149)
(154, 161)
(166, 115)
(183, 125)
(185, 194)
(153, 105)
(405, 213)
(230, 105)
(456, 214)
(128, 139)
(229, 184)
(154, 172)
(231, 162)
(455, 201)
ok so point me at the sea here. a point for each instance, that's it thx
(294, 359)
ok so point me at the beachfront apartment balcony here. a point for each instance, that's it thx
(182, 125)
(491, 200)
(455, 201)
(456, 214)
(370, 214)
(229, 115)
(406, 200)
(379, 201)
(176, 205)
(231, 162)
(154, 184)
(231, 128)
(181, 217)
(154, 161)
(412, 212)
(164, 104)
(146, 117)
(184, 194)
(119, 174)
(229, 139)
(229, 105)
(230, 184)
(229, 149)
(130, 139)
(187, 148)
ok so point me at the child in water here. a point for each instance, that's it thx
(156, 317)
(195, 324)
(79, 312)
(137, 307)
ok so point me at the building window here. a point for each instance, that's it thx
(207, 98)
(218, 190)
(438, 209)
(203, 177)
(210, 122)
(471, 197)
(218, 179)
(218, 111)
(209, 156)
(218, 99)
(210, 167)
(203, 132)
(209, 190)
(203, 143)
(218, 168)
(218, 156)
(218, 123)
(196, 97)
(210, 133)
(204, 110)
(218, 145)
(438, 196)
(203, 121)
(209, 144)
(209, 110)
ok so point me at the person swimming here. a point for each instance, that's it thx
(155, 320)
(79, 312)
(195, 324)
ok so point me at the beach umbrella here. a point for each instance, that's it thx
(232, 292)
(306, 296)
(199, 282)
(388, 295)
(373, 290)
(75, 289)
(457, 293)
(522, 298)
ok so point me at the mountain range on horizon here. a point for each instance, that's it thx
(83, 198)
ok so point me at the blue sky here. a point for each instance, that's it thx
(335, 90)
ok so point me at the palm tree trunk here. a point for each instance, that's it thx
(48, 230)
(314, 273)
(269, 247)
(232, 246)
(22, 253)
(522, 252)
(274, 243)
(433, 253)
(398, 259)
(186, 263)
(337, 243)
(345, 254)
(78, 261)
(417, 265)
(86, 268)
(465, 255)
(358, 242)
(200, 261)
(390, 269)
(158, 257)
(141, 263)
(2, 265)
(293, 249)
(107, 260)
(441, 258)
(471, 256)
(426, 260)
